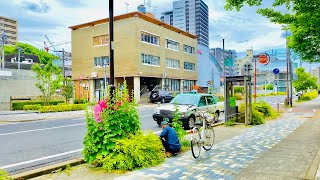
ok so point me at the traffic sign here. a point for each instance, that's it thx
(264, 59)
(276, 71)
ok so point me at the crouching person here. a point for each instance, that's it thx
(169, 139)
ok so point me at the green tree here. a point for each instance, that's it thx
(269, 86)
(302, 19)
(43, 56)
(67, 89)
(304, 81)
(49, 79)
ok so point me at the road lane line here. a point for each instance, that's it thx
(41, 121)
(57, 127)
(40, 159)
(146, 115)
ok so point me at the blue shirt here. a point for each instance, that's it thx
(170, 135)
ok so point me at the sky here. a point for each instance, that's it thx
(37, 18)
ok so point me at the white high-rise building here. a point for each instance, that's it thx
(191, 16)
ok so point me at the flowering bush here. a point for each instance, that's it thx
(111, 120)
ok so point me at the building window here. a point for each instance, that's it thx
(188, 85)
(171, 63)
(150, 60)
(100, 40)
(189, 49)
(149, 38)
(172, 45)
(100, 61)
(189, 66)
(172, 84)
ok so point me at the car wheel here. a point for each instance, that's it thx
(159, 122)
(163, 100)
(216, 116)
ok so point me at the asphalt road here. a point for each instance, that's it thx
(26, 146)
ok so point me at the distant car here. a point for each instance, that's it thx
(160, 96)
(299, 94)
(186, 103)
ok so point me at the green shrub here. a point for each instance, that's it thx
(4, 175)
(309, 96)
(62, 104)
(238, 96)
(109, 123)
(220, 98)
(18, 105)
(34, 107)
(136, 152)
(257, 118)
(281, 93)
(260, 112)
(238, 89)
(80, 101)
(177, 124)
(62, 108)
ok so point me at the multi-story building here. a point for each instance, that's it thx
(10, 28)
(191, 16)
(148, 54)
(225, 59)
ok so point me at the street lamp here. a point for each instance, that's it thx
(111, 49)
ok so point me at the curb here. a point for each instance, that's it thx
(47, 170)
(312, 171)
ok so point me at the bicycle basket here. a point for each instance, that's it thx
(208, 117)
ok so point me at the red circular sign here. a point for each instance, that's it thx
(264, 59)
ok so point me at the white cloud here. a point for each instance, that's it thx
(241, 30)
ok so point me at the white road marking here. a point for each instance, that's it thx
(157, 132)
(40, 159)
(57, 127)
(8, 123)
(147, 115)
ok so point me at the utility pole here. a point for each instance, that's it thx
(19, 57)
(287, 55)
(111, 49)
(64, 72)
(225, 84)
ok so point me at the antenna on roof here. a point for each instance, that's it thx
(127, 4)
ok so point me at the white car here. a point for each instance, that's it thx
(186, 104)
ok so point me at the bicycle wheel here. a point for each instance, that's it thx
(208, 138)
(195, 143)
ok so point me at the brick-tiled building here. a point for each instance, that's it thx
(148, 53)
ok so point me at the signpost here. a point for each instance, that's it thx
(276, 71)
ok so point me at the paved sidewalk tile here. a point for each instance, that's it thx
(225, 159)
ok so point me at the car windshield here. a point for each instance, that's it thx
(185, 99)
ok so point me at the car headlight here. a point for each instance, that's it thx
(156, 111)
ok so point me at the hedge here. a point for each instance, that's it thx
(309, 96)
(19, 105)
(62, 108)
(31, 107)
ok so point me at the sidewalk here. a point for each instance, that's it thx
(285, 148)
(25, 116)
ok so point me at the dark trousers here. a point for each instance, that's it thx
(167, 147)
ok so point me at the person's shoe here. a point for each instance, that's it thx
(168, 154)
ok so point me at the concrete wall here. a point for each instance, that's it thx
(21, 83)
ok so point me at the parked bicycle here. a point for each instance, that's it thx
(204, 139)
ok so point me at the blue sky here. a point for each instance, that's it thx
(37, 18)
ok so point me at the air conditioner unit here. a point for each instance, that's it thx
(164, 74)
(94, 74)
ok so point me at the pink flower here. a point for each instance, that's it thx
(98, 109)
